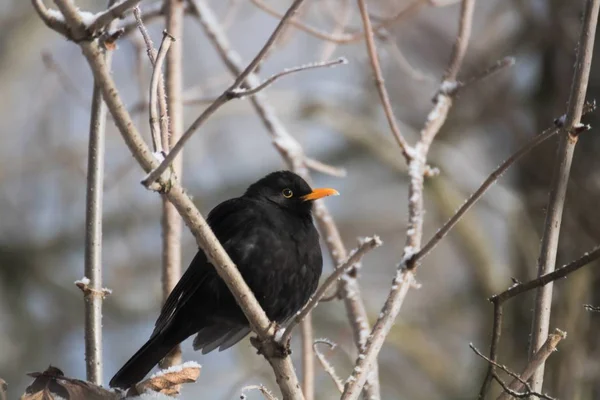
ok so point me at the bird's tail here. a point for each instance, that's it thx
(134, 370)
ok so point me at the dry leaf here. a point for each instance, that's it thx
(168, 382)
(3, 389)
(52, 383)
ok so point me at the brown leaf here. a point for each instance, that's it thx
(168, 382)
(3, 389)
(52, 382)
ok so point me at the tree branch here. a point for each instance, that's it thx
(379, 82)
(562, 168)
(404, 278)
(171, 221)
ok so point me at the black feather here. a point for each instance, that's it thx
(272, 240)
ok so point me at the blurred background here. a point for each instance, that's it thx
(336, 115)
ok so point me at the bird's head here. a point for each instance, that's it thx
(288, 190)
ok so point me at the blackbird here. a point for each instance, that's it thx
(269, 234)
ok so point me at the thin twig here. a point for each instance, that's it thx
(490, 180)
(261, 388)
(545, 279)
(93, 232)
(496, 333)
(520, 288)
(50, 19)
(516, 377)
(326, 365)
(239, 93)
(162, 137)
(308, 358)
(379, 82)
(591, 308)
(323, 168)
(502, 367)
(520, 395)
(498, 66)
(116, 11)
(562, 167)
(157, 135)
(66, 82)
(366, 245)
(343, 38)
(537, 360)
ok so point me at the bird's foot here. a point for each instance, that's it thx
(271, 348)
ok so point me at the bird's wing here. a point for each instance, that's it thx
(226, 220)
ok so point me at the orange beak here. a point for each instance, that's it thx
(320, 193)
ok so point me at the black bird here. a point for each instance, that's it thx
(269, 234)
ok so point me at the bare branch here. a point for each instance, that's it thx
(562, 168)
(326, 365)
(161, 136)
(239, 93)
(459, 50)
(158, 137)
(517, 289)
(591, 308)
(261, 388)
(498, 66)
(545, 279)
(50, 19)
(171, 220)
(342, 38)
(379, 82)
(66, 82)
(323, 168)
(93, 292)
(502, 367)
(113, 12)
(537, 360)
(308, 358)
(150, 13)
(490, 180)
(366, 245)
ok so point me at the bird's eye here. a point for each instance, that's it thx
(287, 193)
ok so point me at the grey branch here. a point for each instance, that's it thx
(537, 360)
(379, 82)
(93, 233)
(114, 12)
(405, 279)
(261, 388)
(516, 376)
(560, 178)
(159, 136)
(155, 129)
(239, 93)
(326, 364)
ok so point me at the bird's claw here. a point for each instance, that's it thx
(271, 348)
